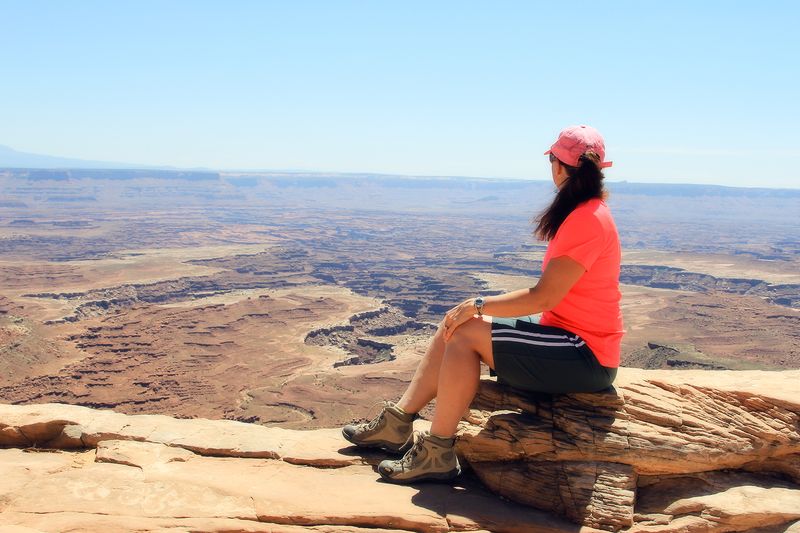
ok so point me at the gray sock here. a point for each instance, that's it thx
(441, 441)
(405, 417)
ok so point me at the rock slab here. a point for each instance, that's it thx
(665, 451)
(72, 468)
(589, 457)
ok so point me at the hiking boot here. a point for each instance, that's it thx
(390, 430)
(431, 458)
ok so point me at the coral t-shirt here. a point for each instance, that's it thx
(591, 307)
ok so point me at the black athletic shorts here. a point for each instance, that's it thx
(548, 359)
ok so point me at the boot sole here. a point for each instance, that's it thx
(383, 445)
(437, 477)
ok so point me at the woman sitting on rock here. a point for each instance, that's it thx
(574, 347)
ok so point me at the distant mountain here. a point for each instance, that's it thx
(10, 158)
(26, 164)
(698, 190)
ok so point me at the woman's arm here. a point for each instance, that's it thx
(556, 281)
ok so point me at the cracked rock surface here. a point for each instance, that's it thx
(684, 451)
(664, 450)
(72, 468)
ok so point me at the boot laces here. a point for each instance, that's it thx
(374, 422)
(418, 438)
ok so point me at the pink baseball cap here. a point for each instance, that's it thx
(574, 141)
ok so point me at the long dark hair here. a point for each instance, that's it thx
(583, 183)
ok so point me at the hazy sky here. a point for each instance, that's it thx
(683, 91)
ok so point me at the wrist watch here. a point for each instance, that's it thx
(479, 301)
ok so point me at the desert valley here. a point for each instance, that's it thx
(299, 299)
(178, 350)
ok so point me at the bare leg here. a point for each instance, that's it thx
(425, 382)
(470, 344)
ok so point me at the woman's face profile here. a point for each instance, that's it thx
(558, 171)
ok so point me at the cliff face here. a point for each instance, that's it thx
(665, 451)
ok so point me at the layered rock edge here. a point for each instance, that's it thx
(664, 451)
(72, 468)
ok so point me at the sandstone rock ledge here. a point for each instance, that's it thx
(71, 468)
(665, 450)
(683, 451)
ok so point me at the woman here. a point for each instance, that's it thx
(574, 347)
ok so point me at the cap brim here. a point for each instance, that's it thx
(547, 152)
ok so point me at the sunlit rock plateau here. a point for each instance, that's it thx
(663, 451)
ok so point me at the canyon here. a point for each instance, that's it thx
(297, 301)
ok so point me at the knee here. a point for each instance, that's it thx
(461, 354)
(439, 335)
(464, 337)
(470, 332)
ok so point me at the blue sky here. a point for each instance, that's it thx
(684, 92)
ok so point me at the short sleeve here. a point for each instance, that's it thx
(580, 238)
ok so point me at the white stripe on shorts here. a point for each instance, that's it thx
(538, 343)
(531, 334)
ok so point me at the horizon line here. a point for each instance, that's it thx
(356, 174)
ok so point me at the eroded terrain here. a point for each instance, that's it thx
(244, 302)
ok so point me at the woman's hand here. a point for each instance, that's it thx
(457, 316)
